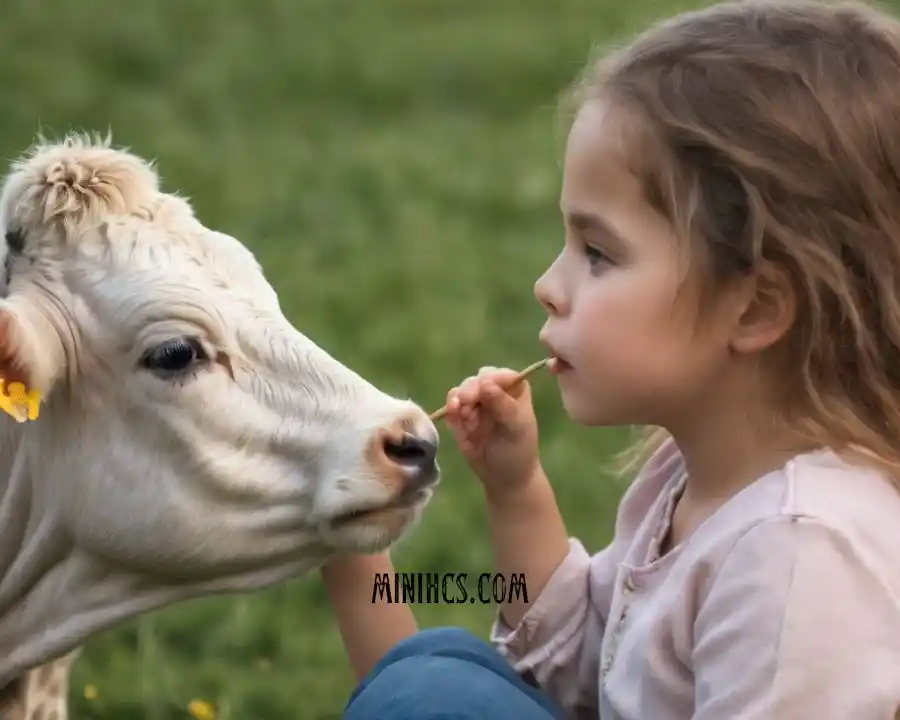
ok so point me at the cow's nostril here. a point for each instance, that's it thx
(410, 451)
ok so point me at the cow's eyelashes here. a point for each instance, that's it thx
(174, 356)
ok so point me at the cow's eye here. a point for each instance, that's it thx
(174, 356)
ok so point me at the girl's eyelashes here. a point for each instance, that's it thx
(595, 256)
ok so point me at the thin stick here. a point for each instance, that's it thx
(438, 414)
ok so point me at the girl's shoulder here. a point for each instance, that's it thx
(857, 502)
(816, 500)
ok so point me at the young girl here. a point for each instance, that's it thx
(731, 278)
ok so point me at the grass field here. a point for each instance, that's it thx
(395, 165)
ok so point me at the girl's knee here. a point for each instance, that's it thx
(442, 641)
(428, 687)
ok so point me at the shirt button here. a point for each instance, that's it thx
(607, 664)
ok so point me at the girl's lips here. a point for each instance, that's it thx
(558, 366)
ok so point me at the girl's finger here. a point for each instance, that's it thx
(452, 401)
(469, 391)
(457, 430)
(502, 404)
(501, 376)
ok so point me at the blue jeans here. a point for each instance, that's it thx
(446, 674)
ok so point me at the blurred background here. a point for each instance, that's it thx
(395, 165)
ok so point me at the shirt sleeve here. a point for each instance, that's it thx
(797, 625)
(558, 640)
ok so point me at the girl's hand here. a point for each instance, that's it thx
(496, 429)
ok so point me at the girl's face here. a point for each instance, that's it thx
(631, 354)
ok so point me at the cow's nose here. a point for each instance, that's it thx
(406, 450)
(411, 451)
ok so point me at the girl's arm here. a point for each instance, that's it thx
(368, 628)
(552, 631)
(529, 538)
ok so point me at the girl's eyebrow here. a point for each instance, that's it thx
(586, 222)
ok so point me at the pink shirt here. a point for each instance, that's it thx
(784, 604)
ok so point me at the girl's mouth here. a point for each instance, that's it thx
(558, 366)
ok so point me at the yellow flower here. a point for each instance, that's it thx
(201, 710)
(90, 692)
(18, 403)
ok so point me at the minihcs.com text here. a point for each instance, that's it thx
(448, 588)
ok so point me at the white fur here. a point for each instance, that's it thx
(131, 492)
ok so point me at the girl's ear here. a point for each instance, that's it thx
(767, 308)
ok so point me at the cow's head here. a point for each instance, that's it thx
(191, 440)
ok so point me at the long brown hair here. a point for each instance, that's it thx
(771, 131)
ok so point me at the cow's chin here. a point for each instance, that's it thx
(376, 530)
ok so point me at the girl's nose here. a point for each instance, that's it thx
(549, 293)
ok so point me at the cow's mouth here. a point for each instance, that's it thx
(404, 501)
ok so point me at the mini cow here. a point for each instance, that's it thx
(191, 440)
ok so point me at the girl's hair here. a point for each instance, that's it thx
(770, 131)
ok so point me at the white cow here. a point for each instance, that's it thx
(191, 441)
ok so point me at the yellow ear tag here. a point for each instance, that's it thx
(21, 405)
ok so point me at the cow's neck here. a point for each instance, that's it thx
(55, 595)
(27, 553)
(52, 594)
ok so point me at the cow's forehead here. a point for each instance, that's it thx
(141, 269)
(194, 251)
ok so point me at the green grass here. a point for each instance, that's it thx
(395, 164)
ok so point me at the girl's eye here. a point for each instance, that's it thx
(173, 356)
(594, 255)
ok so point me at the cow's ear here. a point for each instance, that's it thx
(31, 352)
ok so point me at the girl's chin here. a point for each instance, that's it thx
(579, 409)
(583, 410)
